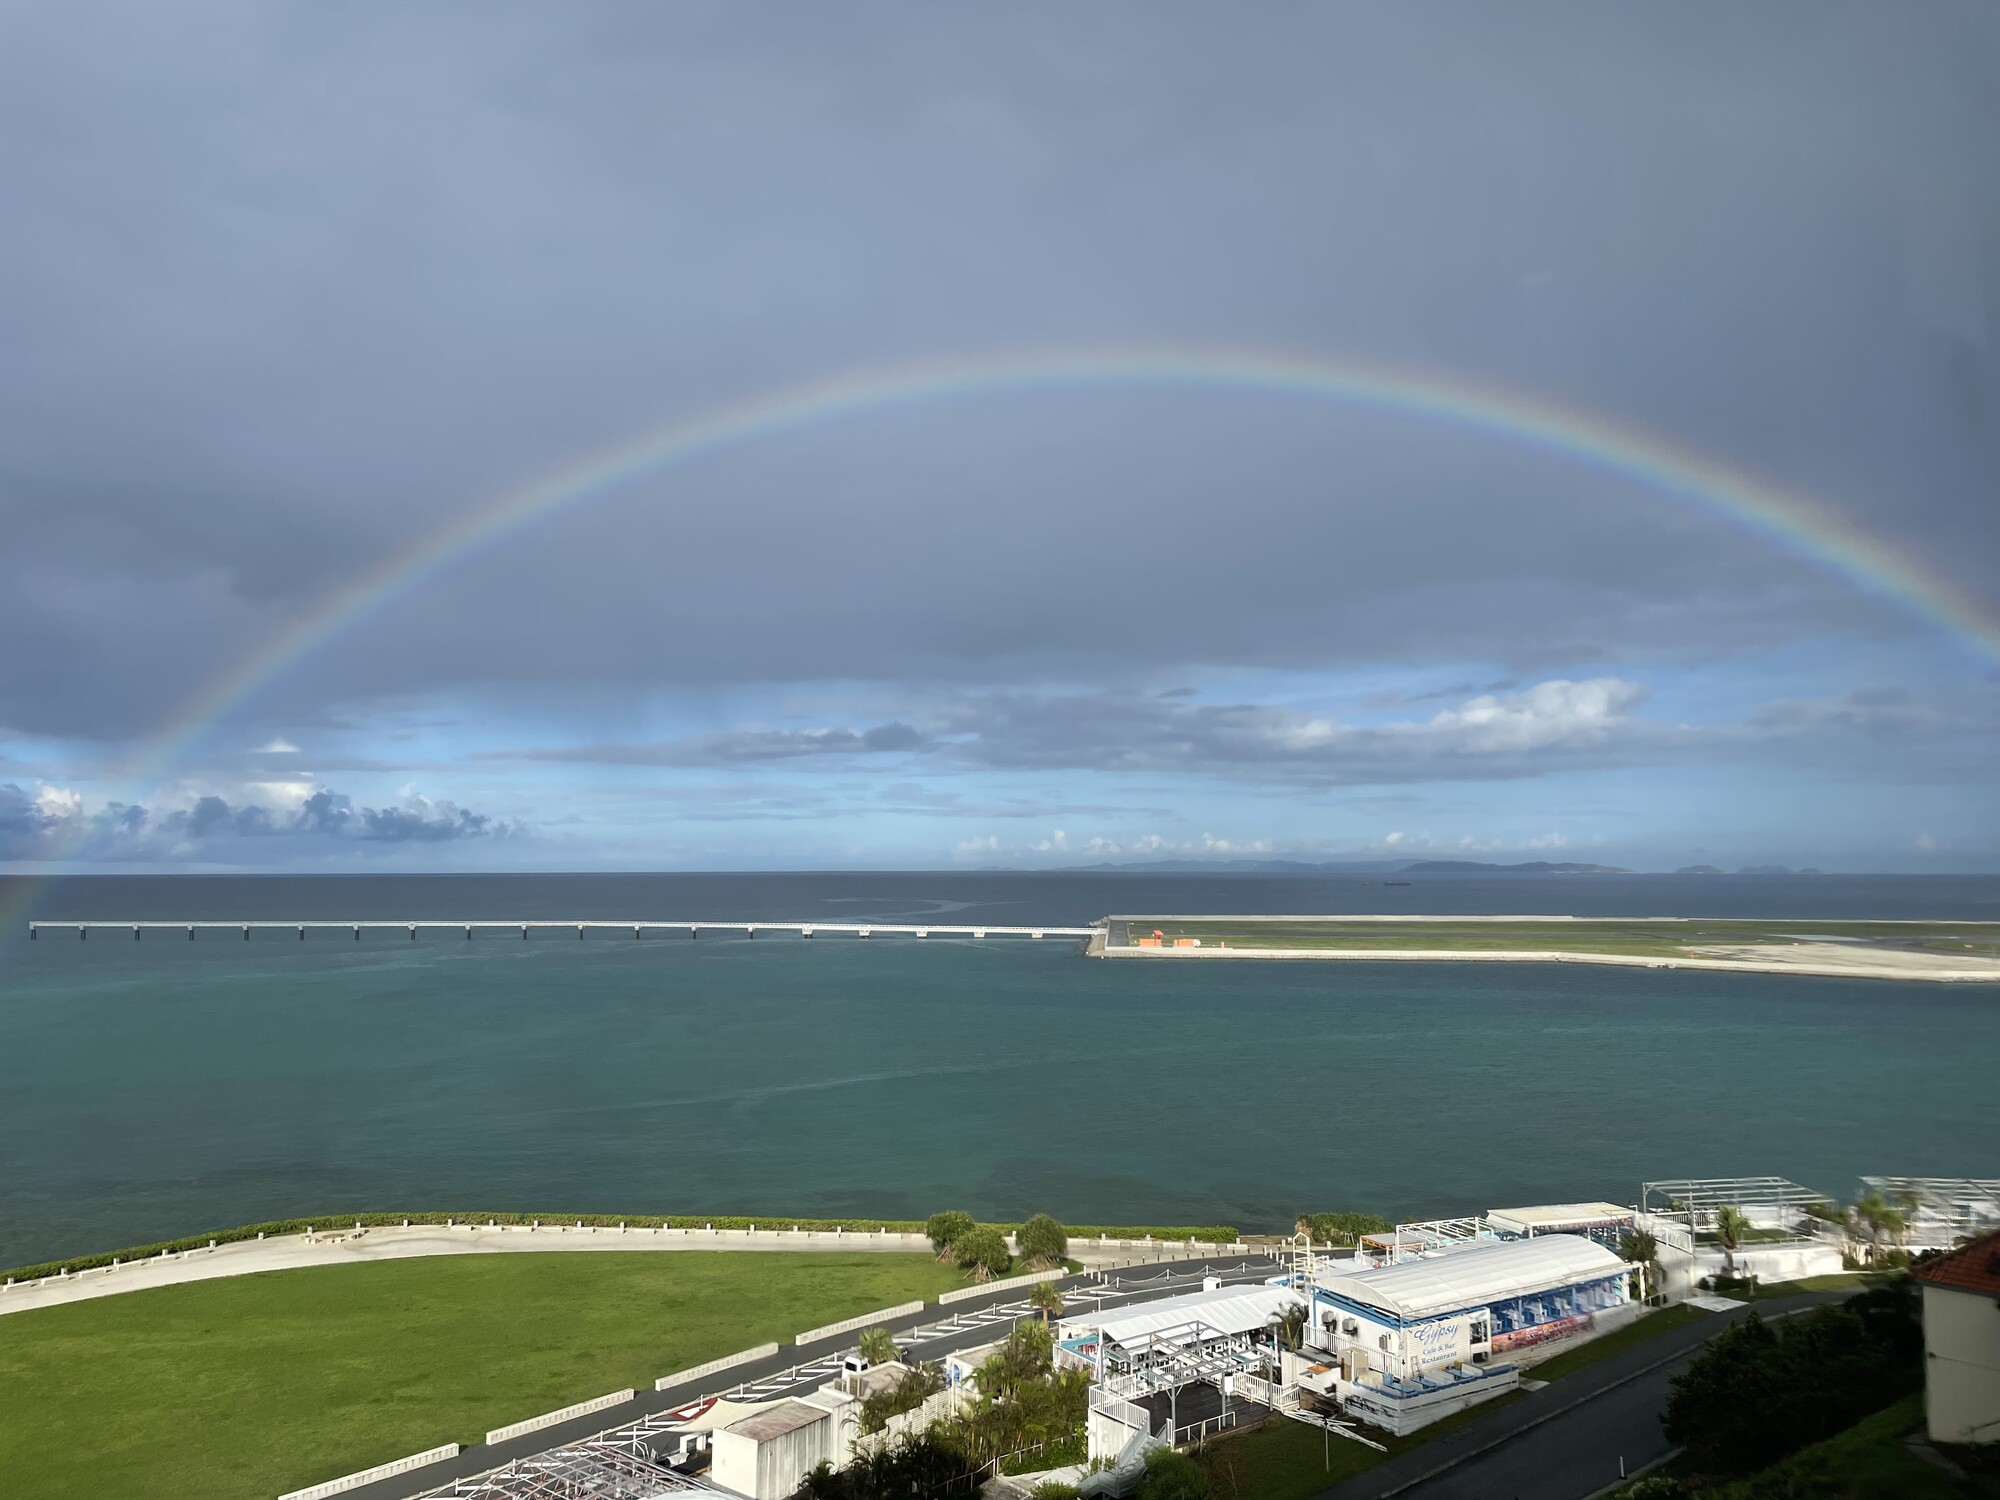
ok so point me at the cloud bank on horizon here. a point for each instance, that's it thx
(288, 291)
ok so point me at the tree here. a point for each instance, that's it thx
(945, 1229)
(878, 1346)
(1042, 1241)
(1173, 1476)
(1731, 1226)
(1343, 1228)
(1046, 1299)
(1880, 1216)
(983, 1251)
(1758, 1392)
(1288, 1326)
(1637, 1247)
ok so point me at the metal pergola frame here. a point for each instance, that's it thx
(614, 1465)
(1704, 1195)
(1965, 1204)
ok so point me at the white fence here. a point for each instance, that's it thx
(1002, 1286)
(728, 1361)
(550, 1418)
(866, 1320)
(369, 1476)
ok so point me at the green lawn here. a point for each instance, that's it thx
(1287, 1460)
(253, 1385)
(1665, 1320)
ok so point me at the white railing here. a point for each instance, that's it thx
(728, 1361)
(551, 1418)
(1008, 1285)
(369, 1476)
(848, 1325)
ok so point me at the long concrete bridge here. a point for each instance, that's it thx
(693, 929)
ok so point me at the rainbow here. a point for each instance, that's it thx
(1785, 518)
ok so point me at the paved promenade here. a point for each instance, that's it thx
(352, 1247)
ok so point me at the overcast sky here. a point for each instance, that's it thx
(284, 289)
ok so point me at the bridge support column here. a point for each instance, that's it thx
(190, 932)
(246, 932)
(135, 932)
(579, 932)
(357, 932)
(635, 932)
(302, 932)
(524, 932)
(923, 932)
(413, 932)
(468, 932)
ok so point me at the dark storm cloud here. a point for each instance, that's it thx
(284, 288)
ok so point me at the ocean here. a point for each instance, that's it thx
(164, 1087)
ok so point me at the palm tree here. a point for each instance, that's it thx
(1289, 1326)
(878, 1346)
(1642, 1250)
(1875, 1211)
(1731, 1225)
(1044, 1297)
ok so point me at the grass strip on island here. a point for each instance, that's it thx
(248, 1387)
(334, 1223)
(1916, 950)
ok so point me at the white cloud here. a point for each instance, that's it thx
(278, 746)
(1926, 843)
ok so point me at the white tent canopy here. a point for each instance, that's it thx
(1476, 1275)
(1227, 1311)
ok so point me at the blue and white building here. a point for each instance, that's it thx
(1403, 1345)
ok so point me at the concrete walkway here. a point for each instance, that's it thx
(351, 1247)
(1565, 1441)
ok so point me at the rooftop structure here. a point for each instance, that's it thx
(1227, 1311)
(1704, 1195)
(1475, 1275)
(1947, 1207)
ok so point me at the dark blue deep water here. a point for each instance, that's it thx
(159, 1088)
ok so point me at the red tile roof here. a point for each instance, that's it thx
(1970, 1268)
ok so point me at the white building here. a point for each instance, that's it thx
(1409, 1343)
(1962, 1343)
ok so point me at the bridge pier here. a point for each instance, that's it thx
(357, 932)
(413, 932)
(246, 932)
(302, 932)
(190, 932)
(135, 932)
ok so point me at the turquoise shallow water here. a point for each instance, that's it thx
(156, 1088)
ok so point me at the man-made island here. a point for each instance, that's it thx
(1939, 951)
